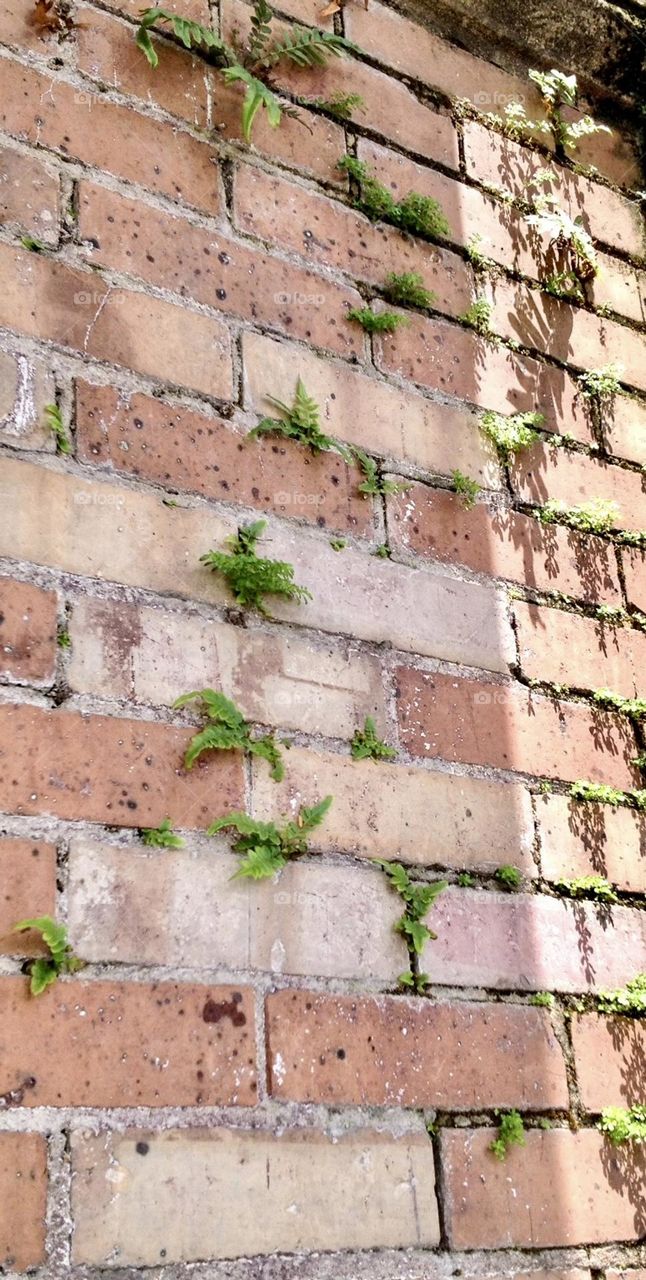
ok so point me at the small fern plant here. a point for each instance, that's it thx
(599, 515)
(622, 1124)
(421, 215)
(300, 421)
(510, 433)
(251, 577)
(478, 316)
(267, 848)
(376, 321)
(511, 1133)
(227, 730)
(557, 91)
(466, 489)
(367, 745)
(54, 420)
(408, 290)
(162, 837)
(374, 484)
(250, 65)
(44, 971)
(418, 899)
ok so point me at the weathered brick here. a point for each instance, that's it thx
(382, 811)
(27, 632)
(28, 878)
(216, 270)
(625, 428)
(561, 1188)
(149, 655)
(105, 51)
(372, 1191)
(621, 287)
(183, 907)
(393, 111)
(507, 727)
(397, 1052)
(523, 942)
(609, 1058)
(582, 839)
(329, 234)
(198, 10)
(503, 543)
(23, 1200)
(26, 386)
(104, 769)
(612, 218)
(29, 195)
(634, 566)
(145, 437)
(311, 144)
(370, 413)
(80, 125)
(134, 1044)
(109, 532)
(444, 357)
(570, 334)
(47, 299)
(543, 473)
(566, 648)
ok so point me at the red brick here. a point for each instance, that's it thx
(568, 649)
(329, 234)
(634, 565)
(27, 632)
(569, 334)
(127, 773)
(506, 544)
(621, 287)
(47, 299)
(142, 436)
(29, 195)
(310, 143)
(609, 1055)
(582, 839)
(440, 355)
(28, 879)
(216, 270)
(106, 51)
(133, 1044)
(393, 111)
(16, 28)
(23, 1200)
(198, 10)
(624, 423)
(531, 942)
(506, 727)
(396, 1052)
(611, 218)
(561, 1188)
(544, 473)
(82, 126)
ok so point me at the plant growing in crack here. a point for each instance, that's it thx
(253, 63)
(599, 515)
(558, 91)
(227, 730)
(408, 290)
(162, 837)
(625, 1002)
(603, 383)
(478, 316)
(250, 577)
(54, 421)
(374, 482)
(622, 1124)
(367, 745)
(421, 215)
(418, 898)
(511, 1134)
(510, 433)
(509, 877)
(300, 421)
(376, 321)
(594, 887)
(266, 847)
(466, 489)
(45, 970)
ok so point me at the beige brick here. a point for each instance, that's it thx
(29, 195)
(370, 413)
(149, 655)
(592, 839)
(135, 1208)
(26, 386)
(23, 1200)
(181, 907)
(382, 811)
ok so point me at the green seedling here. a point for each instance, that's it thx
(418, 899)
(465, 488)
(227, 730)
(250, 577)
(162, 837)
(266, 847)
(408, 290)
(44, 971)
(511, 1134)
(510, 433)
(509, 877)
(367, 745)
(301, 422)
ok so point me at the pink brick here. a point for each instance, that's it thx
(544, 473)
(583, 839)
(609, 1058)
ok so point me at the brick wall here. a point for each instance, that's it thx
(233, 1086)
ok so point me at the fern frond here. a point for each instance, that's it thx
(260, 30)
(191, 34)
(258, 96)
(308, 48)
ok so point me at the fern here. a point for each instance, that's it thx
(250, 577)
(509, 877)
(366, 745)
(408, 290)
(299, 422)
(478, 316)
(418, 899)
(416, 213)
(374, 483)
(558, 90)
(511, 1133)
(54, 420)
(266, 847)
(622, 1125)
(510, 434)
(340, 105)
(307, 48)
(192, 34)
(227, 730)
(376, 321)
(466, 488)
(260, 30)
(162, 837)
(44, 971)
